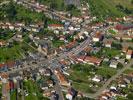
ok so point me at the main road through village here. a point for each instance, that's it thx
(53, 63)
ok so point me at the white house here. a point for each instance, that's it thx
(96, 78)
(113, 64)
(97, 37)
(69, 96)
(108, 44)
(129, 54)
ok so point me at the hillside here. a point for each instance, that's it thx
(111, 8)
(63, 5)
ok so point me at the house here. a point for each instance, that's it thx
(2, 43)
(69, 96)
(113, 64)
(35, 29)
(97, 78)
(18, 28)
(6, 66)
(47, 72)
(92, 60)
(81, 58)
(50, 83)
(108, 44)
(44, 86)
(11, 27)
(124, 26)
(129, 54)
(62, 38)
(129, 77)
(88, 49)
(62, 79)
(46, 93)
(89, 59)
(124, 37)
(19, 36)
(97, 37)
(124, 49)
(55, 26)
(107, 95)
(70, 45)
(72, 93)
(54, 96)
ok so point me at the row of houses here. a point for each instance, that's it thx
(89, 59)
(61, 77)
(115, 90)
(124, 37)
(8, 66)
(21, 26)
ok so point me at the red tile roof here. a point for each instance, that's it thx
(98, 35)
(55, 25)
(93, 59)
(129, 52)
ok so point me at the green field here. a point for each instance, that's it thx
(106, 72)
(9, 53)
(58, 43)
(33, 89)
(60, 5)
(107, 52)
(13, 12)
(57, 4)
(79, 74)
(14, 52)
(128, 71)
(110, 8)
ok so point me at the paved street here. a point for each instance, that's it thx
(53, 62)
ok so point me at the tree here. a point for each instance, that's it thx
(70, 7)
(53, 5)
(131, 1)
(117, 45)
(98, 44)
(130, 96)
(11, 11)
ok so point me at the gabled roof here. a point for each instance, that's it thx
(129, 52)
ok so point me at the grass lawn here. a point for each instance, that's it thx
(107, 52)
(79, 74)
(57, 43)
(13, 96)
(111, 52)
(15, 52)
(14, 12)
(106, 72)
(9, 53)
(32, 88)
(58, 4)
(112, 32)
(83, 87)
(105, 8)
(128, 71)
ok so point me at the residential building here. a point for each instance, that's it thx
(113, 64)
(62, 79)
(97, 37)
(93, 60)
(55, 26)
(129, 54)
(108, 44)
